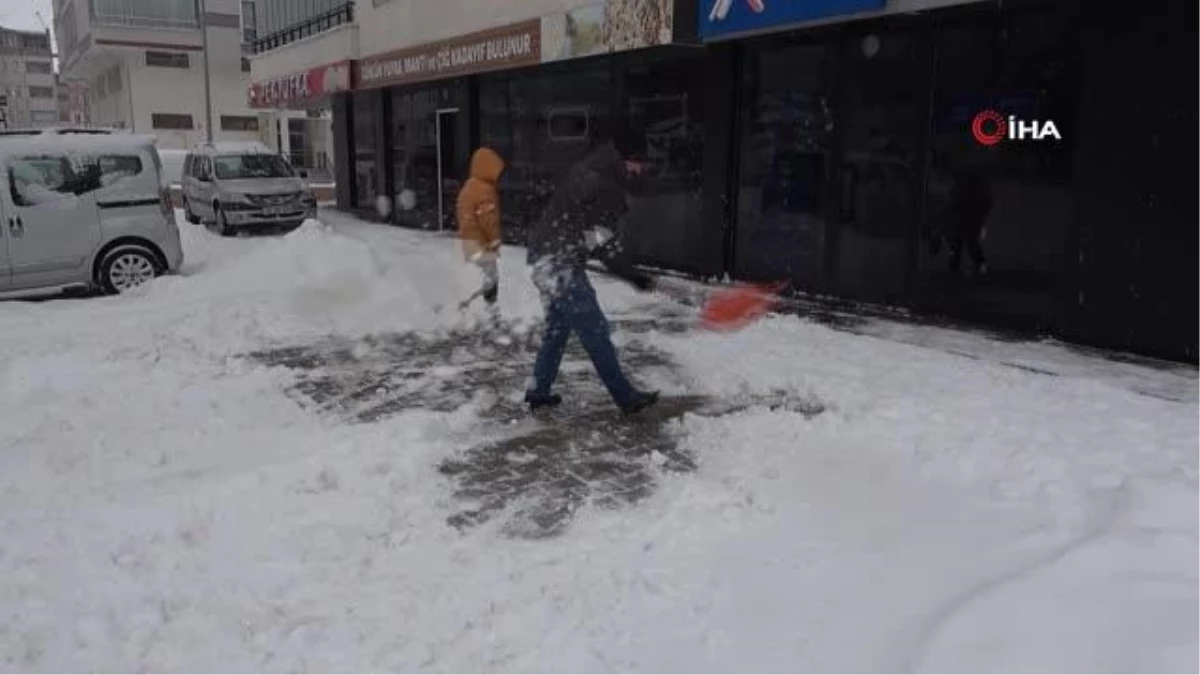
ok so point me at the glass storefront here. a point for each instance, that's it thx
(429, 154)
(1006, 206)
(539, 123)
(663, 101)
(786, 149)
(883, 107)
(366, 169)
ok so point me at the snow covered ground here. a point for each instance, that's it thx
(167, 505)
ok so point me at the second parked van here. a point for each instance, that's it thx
(243, 186)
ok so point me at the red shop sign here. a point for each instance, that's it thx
(300, 88)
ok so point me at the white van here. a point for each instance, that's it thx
(84, 211)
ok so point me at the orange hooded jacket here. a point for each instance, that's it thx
(478, 207)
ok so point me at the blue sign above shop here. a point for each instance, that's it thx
(727, 18)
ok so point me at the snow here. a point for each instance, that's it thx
(166, 506)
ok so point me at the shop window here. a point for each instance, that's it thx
(41, 92)
(663, 106)
(366, 170)
(786, 143)
(417, 116)
(995, 217)
(538, 123)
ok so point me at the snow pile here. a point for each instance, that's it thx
(165, 506)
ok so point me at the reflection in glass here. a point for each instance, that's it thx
(786, 140)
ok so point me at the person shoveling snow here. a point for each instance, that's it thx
(577, 225)
(478, 211)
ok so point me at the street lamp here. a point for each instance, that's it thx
(208, 129)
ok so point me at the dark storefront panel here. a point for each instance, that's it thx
(1134, 188)
(1014, 196)
(663, 101)
(366, 167)
(428, 135)
(539, 123)
(785, 155)
(882, 110)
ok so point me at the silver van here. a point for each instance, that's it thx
(84, 211)
(243, 186)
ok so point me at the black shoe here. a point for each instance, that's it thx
(536, 401)
(640, 401)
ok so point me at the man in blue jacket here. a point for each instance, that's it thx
(578, 224)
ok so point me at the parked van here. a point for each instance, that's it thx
(236, 186)
(84, 211)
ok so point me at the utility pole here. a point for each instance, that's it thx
(208, 128)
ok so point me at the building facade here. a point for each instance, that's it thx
(28, 86)
(143, 62)
(993, 161)
(300, 53)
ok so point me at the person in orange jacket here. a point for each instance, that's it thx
(478, 212)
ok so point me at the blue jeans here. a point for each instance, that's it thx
(575, 308)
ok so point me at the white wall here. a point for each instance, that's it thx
(405, 23)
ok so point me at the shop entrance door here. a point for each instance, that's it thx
(884, 104)
(446, 137)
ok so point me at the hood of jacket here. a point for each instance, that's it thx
(486, 165)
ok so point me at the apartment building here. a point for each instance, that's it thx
(143, 61)
(28, 93)
(300, 55)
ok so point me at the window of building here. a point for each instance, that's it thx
(41, 92)
(245, 65)
(239, 123)
(145, 13)
(39, 67)
(249, 22)
(167, 59)
(171, 121)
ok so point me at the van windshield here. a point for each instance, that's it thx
(231, 167)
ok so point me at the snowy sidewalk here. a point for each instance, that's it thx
(292, 458)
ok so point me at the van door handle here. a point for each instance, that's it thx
(16, 226)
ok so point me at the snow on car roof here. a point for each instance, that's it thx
(83, 143)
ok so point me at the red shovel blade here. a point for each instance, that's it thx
(735, 308)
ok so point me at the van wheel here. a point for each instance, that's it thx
(127, 267)
(223, 226)
(188, 215)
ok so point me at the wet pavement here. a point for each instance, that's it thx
(533, 471)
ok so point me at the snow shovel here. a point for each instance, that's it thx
(462, 306)
(735, 308)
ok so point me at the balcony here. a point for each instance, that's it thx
(339, 15)
(139, 14)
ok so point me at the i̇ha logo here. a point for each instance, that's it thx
(990, 127)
